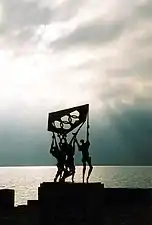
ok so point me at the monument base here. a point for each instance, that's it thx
(66, 203)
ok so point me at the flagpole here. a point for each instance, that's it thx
(75, 134)
(88, 126)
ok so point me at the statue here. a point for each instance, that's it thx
(60, 157)
(84, 148)
(69, 169)
(61, 123)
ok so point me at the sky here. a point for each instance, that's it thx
(63, 53)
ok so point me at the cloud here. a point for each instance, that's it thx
(144, 10)
(103, 30)
(21, 18)
(67, 10)
(124, 137)
(110, 72)
(63, 53)
(122, 70)
(95, 33)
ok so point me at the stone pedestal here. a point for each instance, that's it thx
(71, 203)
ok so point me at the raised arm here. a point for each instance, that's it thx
(88, 129)
(79, 146)
(52, 144)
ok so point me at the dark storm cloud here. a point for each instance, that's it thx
(92, 33)
(144, 10)
(103, 31)
(141, 68)
(20, 18)
(22, 144)
(126, 140)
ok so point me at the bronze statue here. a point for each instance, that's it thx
(60, 157)
(84, 148)
(62, 123)
(69, 162)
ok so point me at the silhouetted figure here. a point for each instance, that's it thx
(69, 163)
(60, 156)
(70, 160)
(84, 148)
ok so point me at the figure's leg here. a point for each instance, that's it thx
(60, 167)
(62, 174)
(73, 173)
(65, 174)
(62, 179)
(68, 173)
(90, 168)
(72, 169)
(84, 169)
(57, 175)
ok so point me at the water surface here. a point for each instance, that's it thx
(26, 180)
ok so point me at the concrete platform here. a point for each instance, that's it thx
(76, 203)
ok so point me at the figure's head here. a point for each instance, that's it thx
(82, 141)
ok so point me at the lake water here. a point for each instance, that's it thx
(26, 180)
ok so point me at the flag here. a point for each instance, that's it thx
(66, 120)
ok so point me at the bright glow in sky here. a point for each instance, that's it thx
(72, 54)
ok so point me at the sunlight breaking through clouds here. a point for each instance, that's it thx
(96, 52)
(63, 53)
